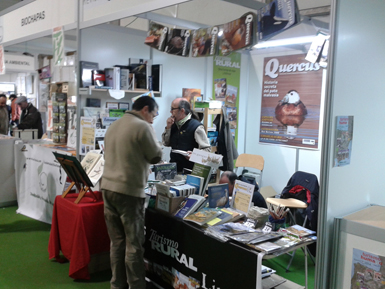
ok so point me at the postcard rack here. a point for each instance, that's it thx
(77, 175)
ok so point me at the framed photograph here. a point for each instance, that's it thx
(112, 105)
(124, 105)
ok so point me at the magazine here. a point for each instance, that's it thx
(156, 36)
(238, 34)
(205, 41)
(202, 216)
(165, 171)
(276, 17)
(343, 140)
(178, 42)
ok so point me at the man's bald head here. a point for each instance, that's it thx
(180, 108)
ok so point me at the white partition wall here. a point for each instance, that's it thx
(356, 88)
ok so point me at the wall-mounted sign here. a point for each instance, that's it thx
(21, 63)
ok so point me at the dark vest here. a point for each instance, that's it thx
(183, 139)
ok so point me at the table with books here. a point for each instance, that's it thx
(183, 254)
(195, 241)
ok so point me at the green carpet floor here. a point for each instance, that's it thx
(24, 262)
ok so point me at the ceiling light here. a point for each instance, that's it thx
(283, 42)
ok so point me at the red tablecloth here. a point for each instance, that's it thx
(79, 231)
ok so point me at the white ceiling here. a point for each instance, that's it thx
(6, 5)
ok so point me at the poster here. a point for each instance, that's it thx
(343, 141)
(87, 134)
(40, 179)
(367, 270)
(291, 102)
(226, 79)
(58, 45)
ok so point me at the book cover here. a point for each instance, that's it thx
(206, 158)
(178, 42)
(189, 205)
(112, 76)
(202, 216)
(223, 217)
(242, 196)
(183, 153)
(97, 171)
(218, 196)
(231, 113)
(93, 102)
(267, 247)
(98, 77)
(231, 95)
(165, 171)
(212, 136)
(89, 161)
(141, 69)
(197, 182)
(205, 41)
(220, 88)
(156, 36)
(116, 112)
(131, 81)
(124, 79)
(235, 215)
(156, 73)
(297, 231)
(237, 34)
(276, 17)
(190, 93)
(86, 69)
(204, 172)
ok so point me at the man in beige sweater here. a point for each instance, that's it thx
(130, 146)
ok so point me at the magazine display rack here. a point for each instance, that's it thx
(206, 113)
(77, 175)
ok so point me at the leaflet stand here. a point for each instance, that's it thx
(77, 175)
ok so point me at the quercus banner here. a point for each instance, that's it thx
(291, 102)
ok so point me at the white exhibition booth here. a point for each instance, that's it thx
(353, 85)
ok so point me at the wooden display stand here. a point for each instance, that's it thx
(77, 175)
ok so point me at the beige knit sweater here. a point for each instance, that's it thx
(130, 146)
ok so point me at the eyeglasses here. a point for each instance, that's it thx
(173, 108)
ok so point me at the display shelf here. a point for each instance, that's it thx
(89, 90)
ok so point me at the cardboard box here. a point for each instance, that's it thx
(166, 204)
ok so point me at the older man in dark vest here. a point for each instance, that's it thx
(184, 132)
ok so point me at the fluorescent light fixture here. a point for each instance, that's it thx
(283, 42)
